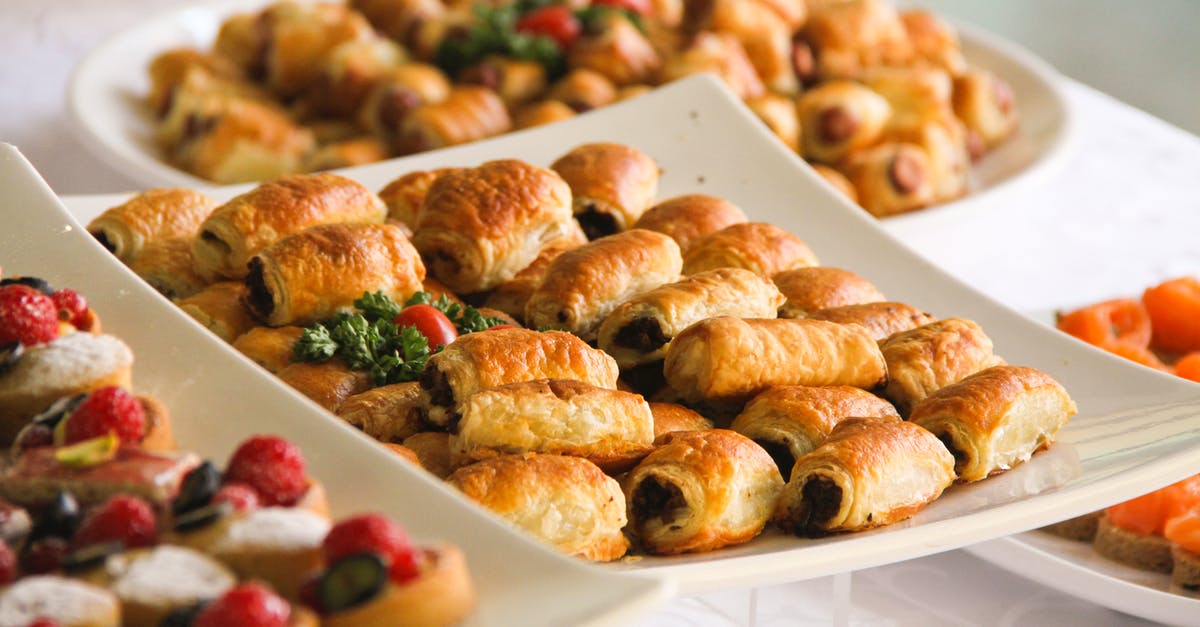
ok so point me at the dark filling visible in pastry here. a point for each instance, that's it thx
(102, 237)
(960, 456)
(441, 395)
(394, 106)
(641, 334)
(214, 240)
(655, 499)
(836, 124)
(821, 498)
(905, 173)
(781, 454)
(258, 297)
(596, 224)
(646, 378)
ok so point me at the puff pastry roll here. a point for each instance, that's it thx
(405, 195)
(479, 226)
(881, 319)
(944, 140)
(516, 81)
(690, 217)
(433, 451)
(793, 12)
(820, 287)
(398, 18)
(720, 54)
(219, 309)
(269, 347)
(612, 185)
(640, 329)
(398, 92)
(328, 384)
(726, 360)
(468, 114)
(849, 37)
(934, 40)
(759, 247)
(584, 90)
(700, 491)
(996, 418)
(298, 36)
(541, 112)
(839, 117)
(930, 357)
(890, 178)
(765, 36)
(345, 154)
(611, 428)
(166, 264)
(388, 413)
(241, 39)
(512, 295)
(247, 224)
(347, 74)
(565, 501)
(155, 214)
(837, 180)
(584, 284)
(240, 142)
(790, 420)
(779, 114)
(913, 93)
(670, 417)
(985, 104)
(478, 361)
(868, 473)
(167, 70)
(618, 50)
(311, 275)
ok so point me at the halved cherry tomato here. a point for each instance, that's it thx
(1122, 320)
(430, 322)
(1174, 309)
(555, 21)
(641, 7)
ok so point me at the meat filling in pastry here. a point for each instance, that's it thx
(611, 185)
(153, 215)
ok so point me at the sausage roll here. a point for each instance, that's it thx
(837, 180)
(613, 429)
(219, 309)
(890, 178)
(563, 500)
(759, 247)
(405, 195)
(820, 287)
(479, 226)
(478, 361)
(167, 70)
(700, 491)
(198, 97)
(247, 141)
(791, 420)
(433, 451)
(612, 185)
(467, 114)
(985, 104)
(839, 117)
(398, 19)
(541, 112)
(299, 36)
(389, 413)
(868, 473)
(934, 40)
(793, 12)
(512, 295)
(640, 329)
(584, 284)
(584, 90)
(779, 114)
(247, 224)
(155, 214)
(166, 264)
(765, 36)
(345, 154)
(618, 50)
(881, 319)
(690, 217)
(347, 74)
(996, 418)
(269, 347)
(930, 357)
(328, 384)
(849, 37)
(913, 93)
(720, 54)
(670, 417)
(516, 81)
(313, 274)
(241, 39)
(726, 360)
(397, 93)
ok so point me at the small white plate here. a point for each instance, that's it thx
(1137, 430)
(217, 399)
(107, 90)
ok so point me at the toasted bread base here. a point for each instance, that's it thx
(1147, 552)
(1186, 573)
(1081, 528)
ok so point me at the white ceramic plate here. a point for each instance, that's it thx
(218, 399)
(1136, 431)
(106, 93)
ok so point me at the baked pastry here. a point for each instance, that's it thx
(837, 180)
(821, 287)
(617, 49)
(298, 36)
(244, 226)
(153, 215)
(541, 112)
(944, 140)
(478, 361)
(236, 139)
(640, 330)
(584, 284)
(690, 217)
(37, 475)
(269, 347)
(166, 264)
(670, 417)
(914, 93)
(68, 602)
(881, 319)
(721, 54)
(328, 384)
(725, 361)
(985, 104)
(611, 185)
(442, 595)
(348, 72)
(479, 226)
(996, 418)
(839, 117)
(756, 246)
(890, 178)
(700, 491)
(153, 582)
(398, 92)
(779, 114)
(563, 500)
(516, 81)
(432, 449)
(849, 37)
(764, 34)
(219, 309)
(345, 153)
(930, 357)
(313, 274)
(398, 18)
(405, 195)
(512, 295)
(467, 114)
(389, 413)
(1146, 551)
(169, 68)
(583, 90)
(934, 40)
(868, 473)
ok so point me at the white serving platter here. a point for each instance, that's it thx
(106, 95)
(1137, 430)
(217, 400)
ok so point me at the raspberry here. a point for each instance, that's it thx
(123, 518)
(43, 556)
(107, 410)
(26, 315)
(8, 564)
(273, 466)
(373, 533)
(246, 605)
(243, 497)
(72, 307)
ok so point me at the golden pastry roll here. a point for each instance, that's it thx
(726, 361)
(219, 309)
(890, 178)
(433, 450)
(996, 418)
(790, 420)
(868, 473)
(934, 40)
(512, 295)
(404, 195)
(478, 361)
(612, 185)
(584, 284)
(793, 12)
(347, 74)
(670, 417)
(944, 140)
(839, 117)
(479, 226)
(779, 114)
(584, 90)
(398, 18)
(269, 347)
(613, 429)
(328, 384)
(240, 38)
(913, 93)
(299, 35)
(240, 142)
(247, 224)
(764, 34)
(721, 54)
(640, 330)
(541, 112)
(153, 215)
(821, 287)
(700, 491)
(313, 274)
(516, 81)
(166, 264)
(930, 357)
(398, 92)
(565, 501)
(881, 319)
(469, 113)
(690, 217)
(169, 68)
(404, 452)
(848, 37)
(388, 413)
(759, 247)
(837, 180)
(618, 50)
(985, 103)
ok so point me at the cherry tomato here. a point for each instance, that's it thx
(555, 21)
(430, 322)
(500, 326)
(641, 7)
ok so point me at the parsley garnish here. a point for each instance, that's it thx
(466, 318)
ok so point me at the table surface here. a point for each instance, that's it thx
(1122, 214)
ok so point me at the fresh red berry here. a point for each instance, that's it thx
(72, 307)
(123, 518)
(26, 315)
(309, 594)
(107, 410)
(273, 466)
(555, 21)
(44, 621)
(373, 533)
(241, 496)
(246, 605)
(8, 564)
(406, 565)
(43, 556)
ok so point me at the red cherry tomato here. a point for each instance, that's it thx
(641, 7)
(501, 326)
(430, 322)
(555, 21)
